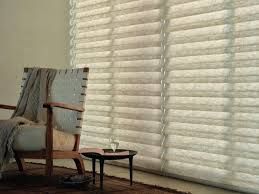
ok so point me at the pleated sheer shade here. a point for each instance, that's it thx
(176, 80)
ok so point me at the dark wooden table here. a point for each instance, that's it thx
(102, 158)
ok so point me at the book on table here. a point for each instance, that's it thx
(102, 152)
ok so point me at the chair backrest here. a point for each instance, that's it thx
(69, 86)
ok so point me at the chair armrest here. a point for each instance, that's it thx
(3, 106)
(64, 106)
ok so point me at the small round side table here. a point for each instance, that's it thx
(102, 157)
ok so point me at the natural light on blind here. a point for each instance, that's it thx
(176, 80)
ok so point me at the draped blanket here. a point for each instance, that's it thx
(29, 109)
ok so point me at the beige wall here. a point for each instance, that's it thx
(32, 33)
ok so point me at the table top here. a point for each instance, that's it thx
(116, 156)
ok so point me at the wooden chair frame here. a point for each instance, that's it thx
(49, 154)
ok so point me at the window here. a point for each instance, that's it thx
(176, 80)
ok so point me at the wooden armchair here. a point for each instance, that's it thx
(60, 137)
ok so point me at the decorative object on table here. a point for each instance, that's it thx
(109, 154)
(51, 103)
(101, 151)
(114, 143)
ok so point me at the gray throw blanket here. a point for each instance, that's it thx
(29, 109)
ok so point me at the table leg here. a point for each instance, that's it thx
(130, 168)
(93, 169)
(101, 173)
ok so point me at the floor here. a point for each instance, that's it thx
(148, 178)
(33, 182)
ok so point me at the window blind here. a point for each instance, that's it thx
(120, 42)
(176, 80)
(212, 91)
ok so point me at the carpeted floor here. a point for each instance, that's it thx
(34, 181)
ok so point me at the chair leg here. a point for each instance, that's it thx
(79, 165)
(49, 167)
(20, 163)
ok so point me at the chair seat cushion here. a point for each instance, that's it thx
(33, 138)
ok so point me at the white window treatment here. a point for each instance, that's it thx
(177, 80)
